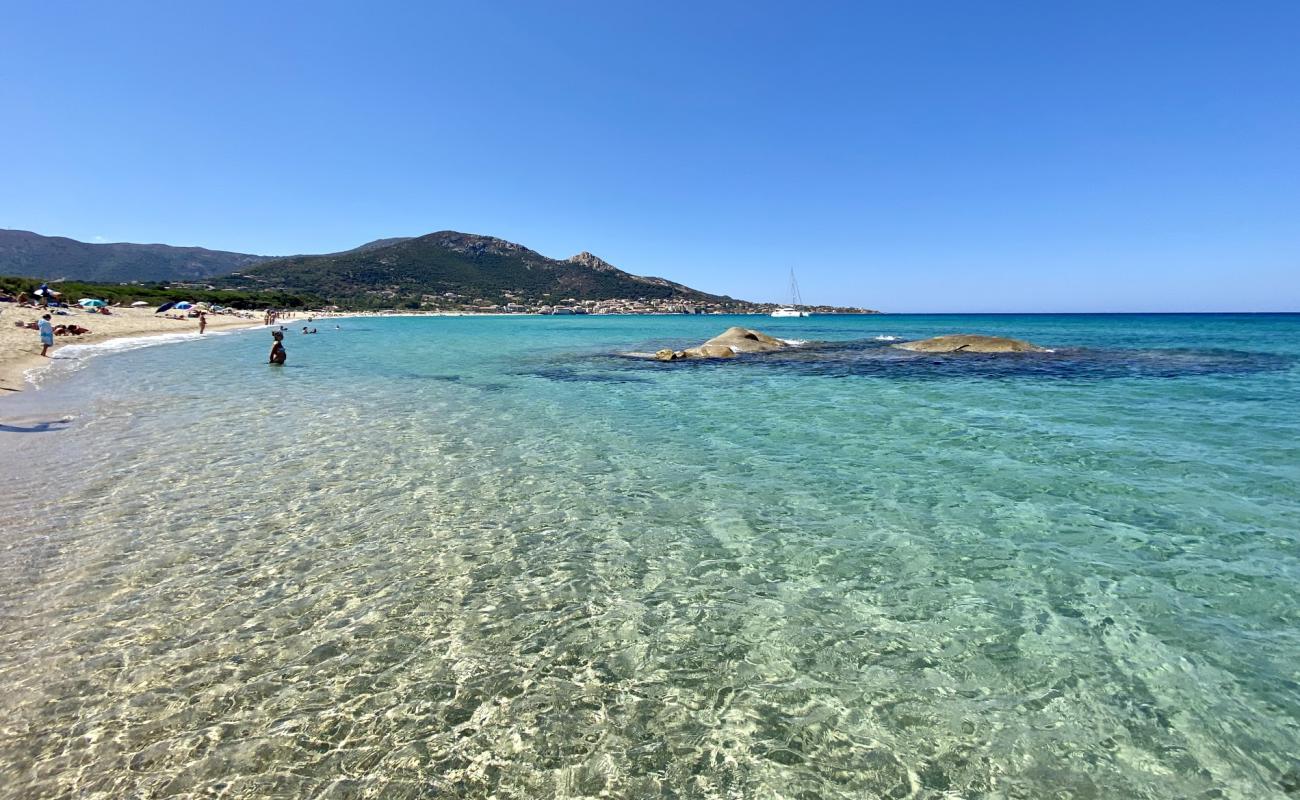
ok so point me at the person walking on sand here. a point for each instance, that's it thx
(47, 334)
(203, 322)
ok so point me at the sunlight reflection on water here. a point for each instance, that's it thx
(437, 561)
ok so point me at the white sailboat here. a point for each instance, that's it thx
(792, 310)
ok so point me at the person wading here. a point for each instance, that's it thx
(278, 354)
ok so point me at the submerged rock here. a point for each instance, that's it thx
(726, 345)
(971, 343)
(669, 355)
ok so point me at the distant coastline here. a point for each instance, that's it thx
(440, 271)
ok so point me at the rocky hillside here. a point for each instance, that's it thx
(448, 263)
(32, 255)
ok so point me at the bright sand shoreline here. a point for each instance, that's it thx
(20, 347)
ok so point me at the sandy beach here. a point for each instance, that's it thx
(20, 347)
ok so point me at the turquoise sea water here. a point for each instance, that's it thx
(487, 557)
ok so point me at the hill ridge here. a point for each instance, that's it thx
(460, 267)
(30, 254)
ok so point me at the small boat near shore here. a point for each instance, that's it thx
(794, 309)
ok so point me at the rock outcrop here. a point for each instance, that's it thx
(585, 259)
(744, 340)
(727, 345)
(970, 343)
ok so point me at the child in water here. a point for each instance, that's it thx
(277, 350)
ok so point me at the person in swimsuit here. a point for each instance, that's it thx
(278, 354)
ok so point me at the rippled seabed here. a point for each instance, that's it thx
(483, 557)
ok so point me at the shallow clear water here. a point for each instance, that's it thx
(491, 557)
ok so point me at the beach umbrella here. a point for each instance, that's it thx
(164, 307)
(183, 305)
(87, 302)
(138, 304)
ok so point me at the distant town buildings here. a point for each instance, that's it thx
(519, 304)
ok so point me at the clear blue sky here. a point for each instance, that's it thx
(909, 156)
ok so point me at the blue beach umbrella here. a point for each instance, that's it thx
(164, 307)
(87, 302)
(181, 306)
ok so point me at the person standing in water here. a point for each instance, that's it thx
(47, 333)
(203, 322)
(278, 354)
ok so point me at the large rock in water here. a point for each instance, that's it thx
(971, 343)
(727, 345)
(744, 340)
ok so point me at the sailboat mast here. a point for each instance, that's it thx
(793, 309)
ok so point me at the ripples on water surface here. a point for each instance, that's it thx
(483, 557)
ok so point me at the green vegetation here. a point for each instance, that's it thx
(159, 293)
(420, 272)
(439, 271)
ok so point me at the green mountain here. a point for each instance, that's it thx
(444, 269)
(473, 268)
(32, 255)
